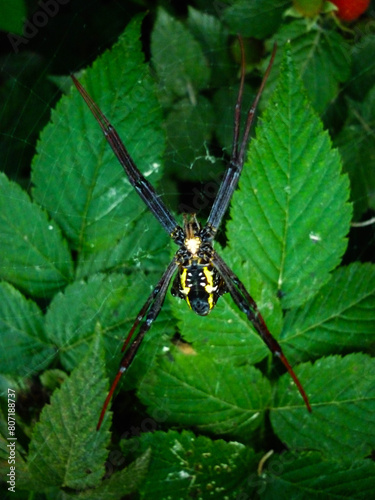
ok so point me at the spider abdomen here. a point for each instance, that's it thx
(200, 285)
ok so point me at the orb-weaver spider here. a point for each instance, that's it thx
(202, 275)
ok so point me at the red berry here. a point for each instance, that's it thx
(350, 9)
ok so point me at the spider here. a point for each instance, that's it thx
(202, 275)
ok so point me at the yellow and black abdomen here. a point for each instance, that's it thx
(200, 285)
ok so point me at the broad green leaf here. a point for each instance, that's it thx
(34, 256)
(342, 396)
(259, 18)
(289, 476)
(340, 318)
(111, 301)
(192, 390)
(24, 347)
(145, 245)
(185, 466)
(76, 174)
(357, 148)
(290, 215)
(65, 449)
(177, 57)
(322, 58)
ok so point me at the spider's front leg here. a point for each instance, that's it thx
(150, 311)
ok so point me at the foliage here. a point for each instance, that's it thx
(204, 400)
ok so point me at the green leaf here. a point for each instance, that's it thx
(291, 215)
(76, 174)
(192, 390)
(356, 144)
(24, 347)
(309, 476)
(322, 58)
(342, 396)
(144, 245)
(185, 466)
(122, 482)
(111, 301)
(13, 15)
(363, 67)
(258, 19)
(339, 319)
(65, 449)
(213, 37)
(177, 57)
(34, 256)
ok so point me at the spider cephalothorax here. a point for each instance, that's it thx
(202, 275)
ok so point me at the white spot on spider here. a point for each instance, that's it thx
(193, 244)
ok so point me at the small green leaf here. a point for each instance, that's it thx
(357, 147)
(290, 215)
(65, 449)
(258, 19)
(340, 318)
(342, 396)
(289, 476)
(185, 466)
(192, 390)
(34, 256)
(177, 57)
(76, 174)
(24, 347)
(322, 58)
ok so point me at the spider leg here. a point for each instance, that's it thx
(233, 172)
(247, 304)
(153, 306)
(137, 180)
